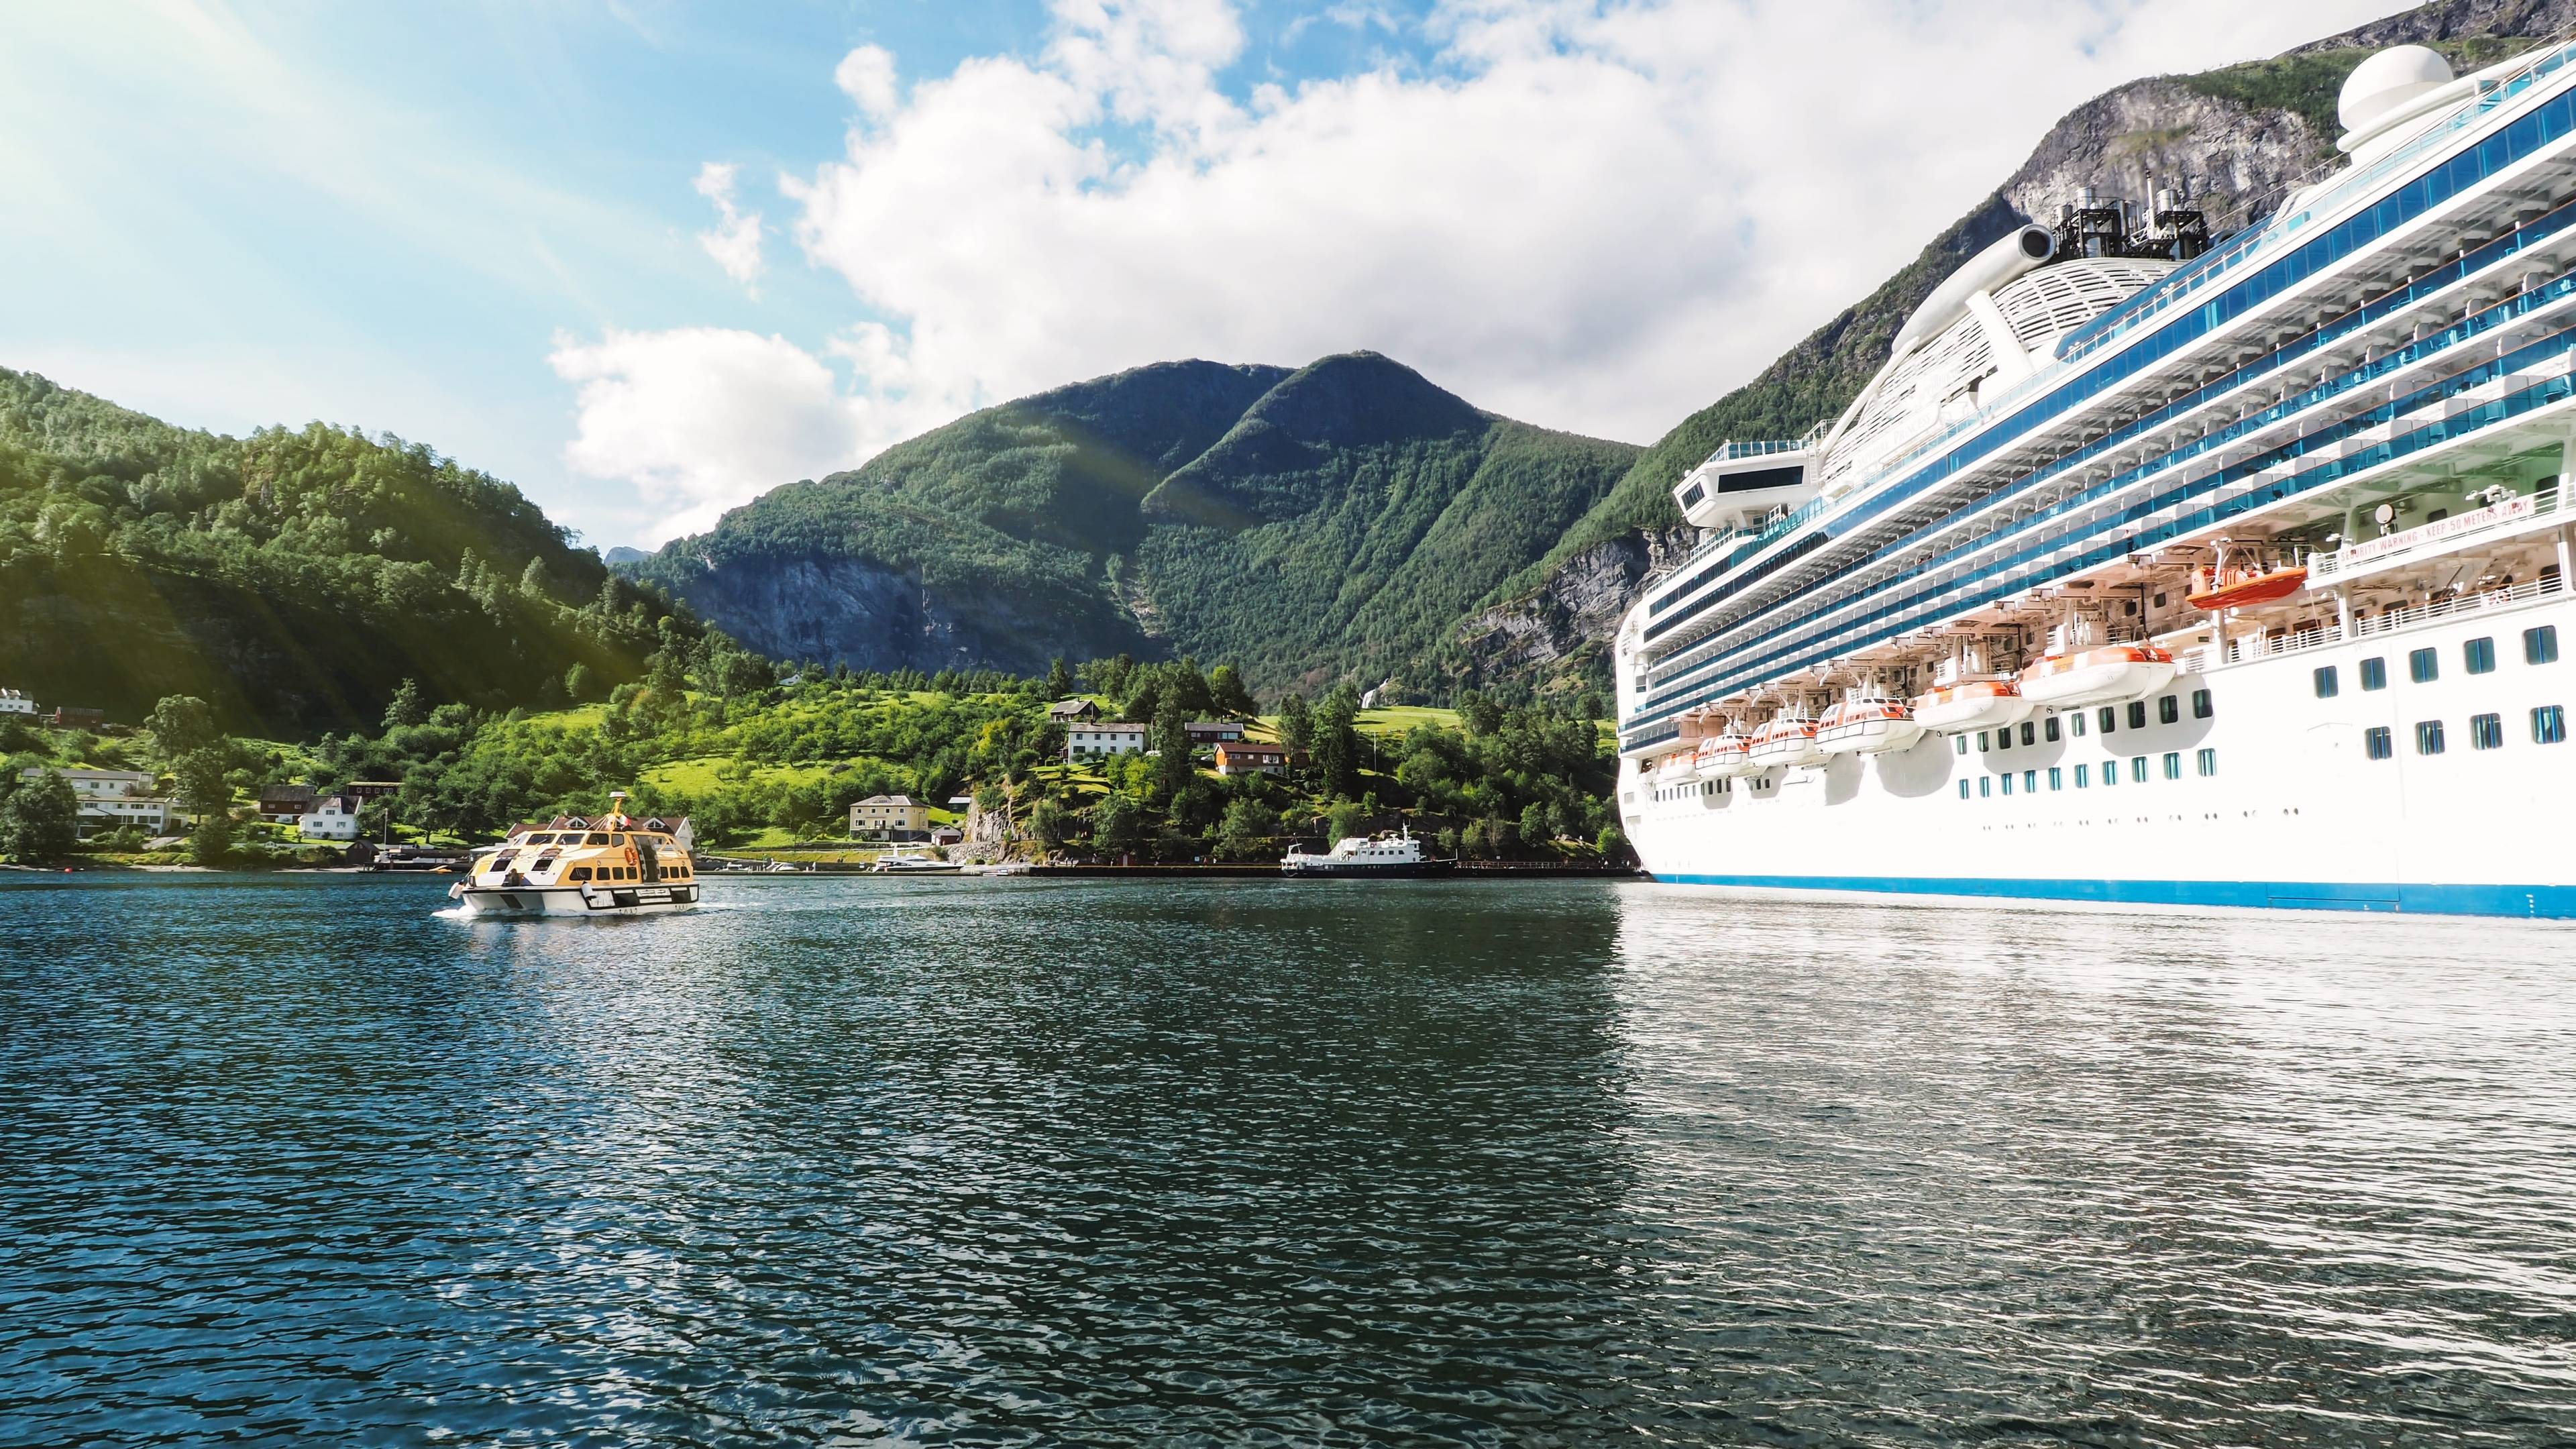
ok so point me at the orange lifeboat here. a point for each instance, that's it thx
(1723, 757)
(2239, 588)
(1971, 704)
(1867, 727)
(2100, 675)
(1785, 743)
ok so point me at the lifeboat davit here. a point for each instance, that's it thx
(1867, 727)
(1784, 743)
(2102, 675)
(1971, 704)
(1723, 758)
(2251, 588)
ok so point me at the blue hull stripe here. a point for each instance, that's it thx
(2443, 900)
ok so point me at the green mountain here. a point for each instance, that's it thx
(1330, 522)
(291, 578)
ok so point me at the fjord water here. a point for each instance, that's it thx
(994, 1162)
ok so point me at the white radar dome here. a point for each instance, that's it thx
(2388, 80)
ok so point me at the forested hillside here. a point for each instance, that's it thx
(292, 578)
(1327, 523)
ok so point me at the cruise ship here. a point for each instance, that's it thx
(2165, 569)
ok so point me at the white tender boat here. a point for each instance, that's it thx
(1365, 855)
(1867, 727)
(913, 862)
(2104, 675)
(1786, 744)
(612, 868)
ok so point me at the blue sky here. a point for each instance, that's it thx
(482, 225)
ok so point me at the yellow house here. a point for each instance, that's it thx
(885, 817)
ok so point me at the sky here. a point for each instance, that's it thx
(648, 259)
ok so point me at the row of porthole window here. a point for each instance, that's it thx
(1704, 787)
(2486, 732)
(2071, 723)
(2204, 763)
(2423, 666)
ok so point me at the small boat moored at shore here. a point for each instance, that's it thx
(1366, 855)
(912, 862)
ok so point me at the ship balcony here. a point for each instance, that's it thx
(1745, 485)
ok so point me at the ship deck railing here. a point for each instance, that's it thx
(2201, 659)
(2530, 513)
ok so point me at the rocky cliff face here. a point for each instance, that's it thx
(2241, 138)
(873, 616)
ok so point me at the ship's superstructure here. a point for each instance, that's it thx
(2158, 570)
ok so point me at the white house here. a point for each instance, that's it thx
(112, 799)
(889, 817)
(12, 702)
(333, 817)
(1103, 737)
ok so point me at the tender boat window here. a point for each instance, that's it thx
(2137, 769)
(2540, 646)
(2479, 656)
(2486, 731)
(594, 838)
(2137, 714)
(2169, 709)
(580, 873)
(2374, 674)
(2173, 764)
(2328, 686)
(2377, 742)
(2428, 737)
(2208, 762)
(2050, 730)
(2549, 725)
(2108, 719)
(2056, 778)
(2423, 666)
(2200, 704)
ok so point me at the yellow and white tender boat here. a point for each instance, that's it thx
(612, 868)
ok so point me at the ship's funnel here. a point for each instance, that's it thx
(2026, 247)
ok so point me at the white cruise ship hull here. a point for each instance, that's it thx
(2293, 813)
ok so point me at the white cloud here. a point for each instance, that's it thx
(866, 76)
(1593, 214)
(735, 239)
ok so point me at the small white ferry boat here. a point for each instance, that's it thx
(611, 868)
(1365, 855)
(913, 862)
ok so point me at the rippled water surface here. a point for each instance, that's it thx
(986, 1162)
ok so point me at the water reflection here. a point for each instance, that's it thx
(1066, 1162)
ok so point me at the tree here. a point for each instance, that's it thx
(1116, 826)
(1296, 724)
(406, 707)
(38, 817)
(208, 798)
(576, 683)
(1052, 824)
(1247, 831)
(1227, 693)
(1480, 713)
(1613, 845)
(183, 724)
(1343, 820)
(1059, 680)
(1173, 770)
(1337, 740)
(1536, 827)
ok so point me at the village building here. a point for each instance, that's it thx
(889, 817)
(12, 702)
(112, 800)
(1214, 731)
(1091, 741)
(285, 804)
(1066, 711)
(332, 817)
(1243, 757)
(74, 717)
